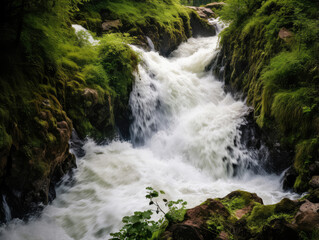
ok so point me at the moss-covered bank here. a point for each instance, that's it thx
(166, 23)
(270, 52)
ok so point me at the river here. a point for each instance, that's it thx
(185, 141)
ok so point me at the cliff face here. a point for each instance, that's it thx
(269, 52)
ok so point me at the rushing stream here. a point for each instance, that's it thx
(185, 141)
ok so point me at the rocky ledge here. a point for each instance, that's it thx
(242, 215)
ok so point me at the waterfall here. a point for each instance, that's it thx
(6, 209)
(83, 33)
(150, 44)
(185, 141)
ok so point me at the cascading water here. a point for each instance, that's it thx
(185, 140)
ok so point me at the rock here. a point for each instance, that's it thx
(278, 229)
(285, 34)
(194, 225)
(314, 196)
(91, 111)
(215, 5)
(35, 165)
(314, 168)
(314, 182)
(289, 178)
(223, 236)
(307, 218)
(201, 27)
(215, 219)
(287, 206)
(90, 95)
(111, 24)
(203, 12)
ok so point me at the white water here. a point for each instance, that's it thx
(83, 33)
(184, 142)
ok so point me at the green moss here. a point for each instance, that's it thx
(239, 200)
(217, 224)
(306, 153)
(259, 216)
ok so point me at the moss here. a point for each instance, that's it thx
(237, 200)
(159, 20)
(218, 224)
(306, 153)
(278, 77)
(286, 206)
(259, 216)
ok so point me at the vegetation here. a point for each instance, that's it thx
(159, 20)
(239, 215)
(272, 55)
(140, 225)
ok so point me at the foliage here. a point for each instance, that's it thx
(278, 74)
(140, 225)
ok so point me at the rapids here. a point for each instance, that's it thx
(185, 141)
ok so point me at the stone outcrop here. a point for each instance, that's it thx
(200, 26)
(242, 215)
(203, 12)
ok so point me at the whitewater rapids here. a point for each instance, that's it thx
(185, 141)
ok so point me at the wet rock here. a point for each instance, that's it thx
(77, 145)
(289, 178)
(201, 27)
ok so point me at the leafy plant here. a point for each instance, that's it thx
(140, 225)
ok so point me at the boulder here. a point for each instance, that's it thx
(307, 218)
(289, 178)
(200, 26)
